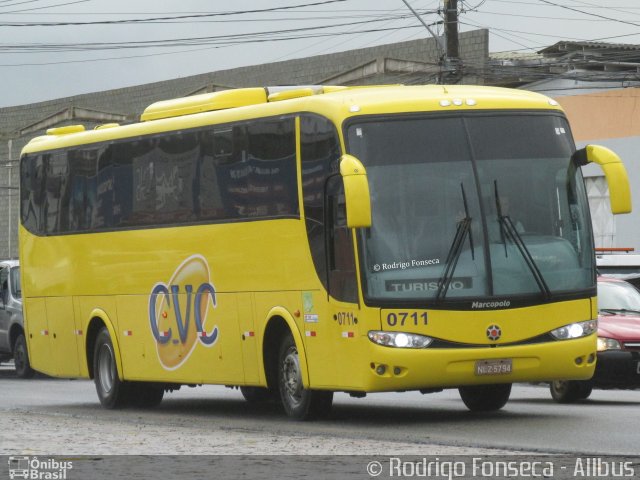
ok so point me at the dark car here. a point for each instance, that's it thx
(12, 340)
(618, 364)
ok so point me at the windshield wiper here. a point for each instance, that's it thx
(508, 230)
(462, 230)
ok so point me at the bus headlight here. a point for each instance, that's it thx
(575, 330)
(399, 339)
(608, 344)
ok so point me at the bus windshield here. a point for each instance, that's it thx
(472, 207)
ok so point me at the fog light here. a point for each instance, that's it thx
(381, 369)
(579, 361)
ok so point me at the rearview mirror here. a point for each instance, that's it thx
(614, 171)
(356, 192)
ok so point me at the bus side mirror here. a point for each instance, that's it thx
(615, 173)
(356, 192)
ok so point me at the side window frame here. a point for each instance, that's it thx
(341, 262)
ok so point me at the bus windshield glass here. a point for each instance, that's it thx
(472, 207)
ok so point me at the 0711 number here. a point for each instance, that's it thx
(406, 318)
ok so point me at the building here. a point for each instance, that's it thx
(598, 84)
(411, 62)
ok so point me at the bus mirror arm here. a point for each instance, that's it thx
(356, 191)
(614, 171)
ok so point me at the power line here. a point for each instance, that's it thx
(592, 14)
(157, 19)
(220, 45)
(534, 2)
(563, 19)
(235, 39)
(43, 8)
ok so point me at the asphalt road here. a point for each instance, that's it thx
(57, 417)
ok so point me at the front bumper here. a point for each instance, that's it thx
(617, 369)
(406, 369)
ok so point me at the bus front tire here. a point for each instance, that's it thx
(21, 358)
(569, 391)
(112, 392)
(485, 398)
(298, 402)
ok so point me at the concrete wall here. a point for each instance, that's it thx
(601, 113)
(21, 123)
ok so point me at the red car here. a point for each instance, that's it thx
(618, 364)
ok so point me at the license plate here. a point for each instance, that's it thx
(494, 367)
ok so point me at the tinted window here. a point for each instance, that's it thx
(473, 207)
(320, 151)
(83, 188)
(230, 172)
(32, 192)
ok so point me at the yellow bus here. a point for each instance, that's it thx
(300, 241)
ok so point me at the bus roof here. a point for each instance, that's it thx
(335, 102)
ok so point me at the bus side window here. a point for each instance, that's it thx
(340, 257)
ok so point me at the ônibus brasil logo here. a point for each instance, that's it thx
(173, 305)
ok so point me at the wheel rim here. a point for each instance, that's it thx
(291, 377)
(560, 387)
(106, 369)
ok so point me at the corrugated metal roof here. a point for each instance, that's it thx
(515, 55)
(565, 46)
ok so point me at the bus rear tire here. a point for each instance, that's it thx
(112, 392)
(485, 398)
(21, 358)
(298, 402)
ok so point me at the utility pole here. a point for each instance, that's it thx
(451, 28)
(448, 53)
(439, 43)
(453, 63)
(9, 196)
(440, 46)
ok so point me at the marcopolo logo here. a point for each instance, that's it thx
(179, 310)
(33, 468)
(497, 304)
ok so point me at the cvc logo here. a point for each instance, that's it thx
(205, 291)
(178, 312)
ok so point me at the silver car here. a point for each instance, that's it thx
(12, 340)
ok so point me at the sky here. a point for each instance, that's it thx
(59, 48)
